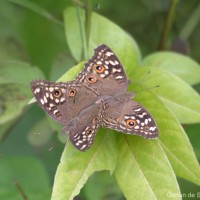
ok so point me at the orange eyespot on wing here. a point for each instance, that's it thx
(91, 79)
(72, 93)
(99, 68)
(57, 93)
(131, 123)
(95, 120)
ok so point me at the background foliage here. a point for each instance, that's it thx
(41, 40)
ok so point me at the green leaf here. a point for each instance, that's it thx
(76, 167)
(72, 73)
(18, 72)
(180, 65)
(173, 139)
(5, 128)
(37, 9)
(178, 96)
(17, 174)
(18, 84)
(144, 171)
(193, 134)
(12, 103)
(101, 185)
(179, 150)
(102, 31)
(42, 130)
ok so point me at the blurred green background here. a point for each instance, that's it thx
(26, 36)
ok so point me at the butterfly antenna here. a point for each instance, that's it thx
(144, 77)
(149, 88)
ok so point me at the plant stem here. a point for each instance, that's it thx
(19, 188)
(190, 24)
(88, 14)
(168, 25)
(79, 3)
(82, 32)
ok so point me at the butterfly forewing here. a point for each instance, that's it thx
(50, 96)
(104, 69)
(62, 101)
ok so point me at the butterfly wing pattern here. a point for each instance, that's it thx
(97, 97)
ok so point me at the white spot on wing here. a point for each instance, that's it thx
(106, 72)
(152, 128)
(51, 105)
(55, 111)
(45, 99)
(119, 77)
(107, 62)
(112, 63)
(62, 99)
(37, 90)
(137, 110)
(136, 127)
(57, 100)
(51, 89)
(116, 70)
(99, 62)
(109, 53)
(116, 62)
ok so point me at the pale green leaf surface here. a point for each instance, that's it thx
(72, 73)
(177, 95)
(103, 31)
(173, 139)
(144, 171)
(35, 184)
(179, 150)
(180, 65)
(76, 167)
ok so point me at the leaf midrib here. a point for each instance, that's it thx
(140, 166)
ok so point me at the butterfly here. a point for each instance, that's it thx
(97, 97)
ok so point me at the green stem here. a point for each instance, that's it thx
(82, 32)
(79, 3)
(85, 29)
(190, 24)
(88, 14)
(20, 190)
(168, 25)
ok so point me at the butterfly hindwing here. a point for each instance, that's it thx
(82, 129)
(129, 117)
